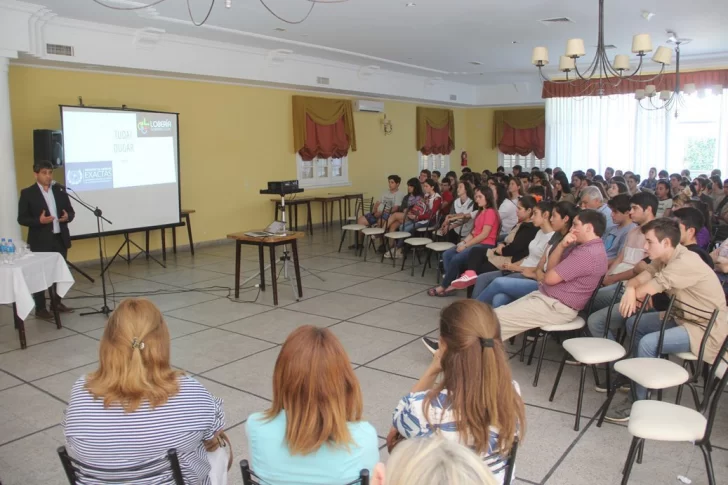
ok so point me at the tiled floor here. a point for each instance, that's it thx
(377, 311)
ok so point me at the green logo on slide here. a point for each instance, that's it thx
(143, 126)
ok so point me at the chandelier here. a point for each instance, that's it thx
(667, 99)
(603, 72)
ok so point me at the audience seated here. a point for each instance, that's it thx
(705, 232)
(460, 222)
(650, 183)
(485, 232)
(388, 204)
(562, 188)
(575, 267)
(448, 195)
(665, 203)
(412, 203)
(135, 407)
(615, 236)
(476, 403)
(432, 461)
(616, 187)
(525, 248)
(312, 433)
(591, 198)
(506, 289)
(508, 208)
(680, 273)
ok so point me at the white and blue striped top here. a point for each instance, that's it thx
(112, 438)
(410, 421)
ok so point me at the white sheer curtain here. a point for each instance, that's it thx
(594, 132)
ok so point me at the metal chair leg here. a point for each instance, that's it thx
(427, 261)
(540, 358)
(630, 460)
(610, 395)
(533, 349)
(640, 451)
(343, 236)
(581, 398)
(558, 376)
(705, 448)
(366, 246)
(414, 253)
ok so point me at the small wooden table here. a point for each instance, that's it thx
(184, 213)
(294, 203)
(270, 242)
(353, 196)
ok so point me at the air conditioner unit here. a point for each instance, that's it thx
(369, 106)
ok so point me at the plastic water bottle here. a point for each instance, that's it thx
(11, 251)
(3, 251)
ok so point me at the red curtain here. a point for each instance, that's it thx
(437, 141)
(325, 141)
(701, 79)
(523, 142)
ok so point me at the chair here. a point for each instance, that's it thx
(695, 362)
(650, 373)
(591, 351)
(75, 469)
(360, 208)
(577, 324)
(394, 236)
(662, 421)
(511, 463)
(414, 243)
(355, 228)
(250, 478)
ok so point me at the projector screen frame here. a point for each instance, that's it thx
(112, 232)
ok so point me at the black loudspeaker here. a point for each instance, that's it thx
(48, 147)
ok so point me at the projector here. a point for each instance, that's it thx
(283, 187)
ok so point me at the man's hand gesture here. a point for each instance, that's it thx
(64, 217)
(44, 219)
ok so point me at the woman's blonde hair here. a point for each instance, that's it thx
(134, 358)
(314, 383)
(436, 461)
(477, 377)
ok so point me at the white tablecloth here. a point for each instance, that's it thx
(30, 274)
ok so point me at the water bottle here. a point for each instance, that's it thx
(11, 251)
(3, 250)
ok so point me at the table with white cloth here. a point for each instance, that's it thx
(32, 273)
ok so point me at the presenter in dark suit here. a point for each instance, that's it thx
(46, 210)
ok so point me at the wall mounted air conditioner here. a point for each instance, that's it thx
(369, 106)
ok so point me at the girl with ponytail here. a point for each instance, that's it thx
(135, 407)
(476, 403)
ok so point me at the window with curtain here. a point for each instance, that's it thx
(322, 172)
(527, 162)
(434, 162)
(614, 131)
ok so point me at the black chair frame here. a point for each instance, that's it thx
(250, 478)
(75, 469)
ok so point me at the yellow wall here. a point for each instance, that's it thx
(233, 140)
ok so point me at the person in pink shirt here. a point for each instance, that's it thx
(484, 233)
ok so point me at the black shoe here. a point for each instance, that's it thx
(44, 314)
(431, 344)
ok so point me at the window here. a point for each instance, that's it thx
(322, 172)
(434, 162)
(695, 135)
(527, 162)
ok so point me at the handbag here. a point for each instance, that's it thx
(220, 440)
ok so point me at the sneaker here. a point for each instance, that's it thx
(431, 344)
(603, 388)
(466, 280)
(619, 413)
(397, 254)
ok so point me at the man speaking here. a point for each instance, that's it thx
(45, 209)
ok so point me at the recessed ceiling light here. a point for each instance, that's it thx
(279, 29)
(514, 42)
(410, 4)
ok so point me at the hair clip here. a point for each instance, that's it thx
(136, 344)
(537, 197)
(486, 342)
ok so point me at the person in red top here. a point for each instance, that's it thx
(447, 197)
(485, 232)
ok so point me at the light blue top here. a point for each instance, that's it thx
(614, 239)
(604, 209)
(271, 460)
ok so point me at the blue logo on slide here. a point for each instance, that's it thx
(90, 175)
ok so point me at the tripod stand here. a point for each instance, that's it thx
(105, 310)
(285, 258)
(128, 257)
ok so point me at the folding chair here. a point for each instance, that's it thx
(250, 478)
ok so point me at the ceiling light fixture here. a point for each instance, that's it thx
(601, 71)
(410, 4)
(228, 3)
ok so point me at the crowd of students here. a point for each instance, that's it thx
(533, 248)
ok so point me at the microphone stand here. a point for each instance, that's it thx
(97, 212)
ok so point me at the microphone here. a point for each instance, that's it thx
(53, 182)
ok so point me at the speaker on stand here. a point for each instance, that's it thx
(48, 147)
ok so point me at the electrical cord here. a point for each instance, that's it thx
(313, 4)
(139, 294)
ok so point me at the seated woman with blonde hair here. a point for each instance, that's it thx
(432, 461)
(135, 407)
(477, 403)
(313, 432)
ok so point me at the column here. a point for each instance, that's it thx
(8, 183)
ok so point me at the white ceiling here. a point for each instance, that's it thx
(434, 38)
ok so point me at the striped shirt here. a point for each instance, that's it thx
(410, 421)
(112, 438)
(580, 268)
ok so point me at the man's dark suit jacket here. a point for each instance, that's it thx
(31, 206)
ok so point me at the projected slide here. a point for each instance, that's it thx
(124, 162)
